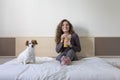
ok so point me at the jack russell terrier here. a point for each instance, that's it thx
(28, 55)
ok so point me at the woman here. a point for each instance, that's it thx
(67, 42)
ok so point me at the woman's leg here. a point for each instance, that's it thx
(71, 54)
(60, 56)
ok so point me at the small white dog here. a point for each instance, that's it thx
(28, 55)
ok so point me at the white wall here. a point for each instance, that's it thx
(40, 17)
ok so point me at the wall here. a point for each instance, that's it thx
(40, 17)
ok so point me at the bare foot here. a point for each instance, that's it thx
(65, 60)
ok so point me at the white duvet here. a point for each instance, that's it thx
(91, 68)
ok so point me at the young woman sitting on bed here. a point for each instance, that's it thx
(67, 42)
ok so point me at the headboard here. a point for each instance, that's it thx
(90, 46)
(7, 46)
(46, 46)
(107, 46)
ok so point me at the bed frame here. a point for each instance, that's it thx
(46, 46)
(90, 46)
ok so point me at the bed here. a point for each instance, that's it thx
(47, 68)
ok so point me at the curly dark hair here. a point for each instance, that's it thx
(59, 31)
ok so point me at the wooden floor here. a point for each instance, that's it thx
(4, 59)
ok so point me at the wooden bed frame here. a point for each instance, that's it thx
(90, 46)
(46, 46)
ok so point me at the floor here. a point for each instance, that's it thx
(4, 59)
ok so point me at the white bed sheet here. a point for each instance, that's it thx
(11, 72)
(91, 68)
(115, 61)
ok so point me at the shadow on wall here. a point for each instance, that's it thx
(87, 42)
(81, 31)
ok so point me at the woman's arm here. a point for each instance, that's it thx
(76, 44)
(59, 47)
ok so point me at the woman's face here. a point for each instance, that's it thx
(65, 27)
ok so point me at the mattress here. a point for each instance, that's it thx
(115, 61)
(46, 68)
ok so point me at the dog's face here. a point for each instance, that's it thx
(31, 43)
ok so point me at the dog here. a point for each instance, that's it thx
(28, 55)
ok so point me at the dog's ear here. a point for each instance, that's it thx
(27, 42)
(35, 42)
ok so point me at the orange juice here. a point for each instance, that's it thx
(66, 41)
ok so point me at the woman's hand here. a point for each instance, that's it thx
(66, 38)
(63, 37)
